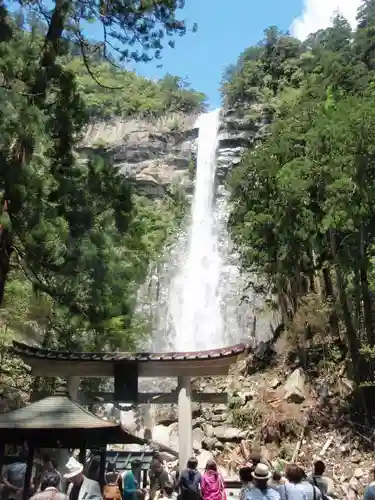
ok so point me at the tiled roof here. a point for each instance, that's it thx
(59, 412)
(37, 352)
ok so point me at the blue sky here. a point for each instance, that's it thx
(225, 29)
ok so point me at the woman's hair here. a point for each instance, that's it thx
(319, 467)
(245, 474)
(294, 473)
(276, 476)
(211, 465)
(192, 463)
(255, 457)
(50, 480)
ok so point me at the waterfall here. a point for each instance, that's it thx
(196, 297)
(194, 302)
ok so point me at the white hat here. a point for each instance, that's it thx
(73, 468)
(262, 472)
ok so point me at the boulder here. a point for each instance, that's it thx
(295, 387)
(198, 436)
(129, 420)
(221, 408)
(358, 473)
(209, 443)
(225, 433)
(166, 414)
(167, 435)
(203, 457)
(221, 417)
(208, 430)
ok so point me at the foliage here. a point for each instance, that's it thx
(76, 240)
(303, 201)
(123, 93)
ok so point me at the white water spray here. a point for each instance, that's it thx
(194, 302)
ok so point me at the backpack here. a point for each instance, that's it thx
(324, 497)
(111, 492)
(189, 483)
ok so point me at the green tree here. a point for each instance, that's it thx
(303, 199)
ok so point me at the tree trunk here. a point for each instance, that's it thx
(366, 297)
(5, 253)
(351, 335)
(357, 300)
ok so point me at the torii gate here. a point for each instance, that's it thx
(126, 368)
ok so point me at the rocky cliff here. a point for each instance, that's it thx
(241, 128)
(155, 153)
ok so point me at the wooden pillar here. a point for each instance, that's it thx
(73, 386)
(103, 460)
(185, 431)
(2, 456)
(29, 471)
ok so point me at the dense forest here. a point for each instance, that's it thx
(76, 241)
(303, 198)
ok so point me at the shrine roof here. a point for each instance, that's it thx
(151, 364)
(58, 417)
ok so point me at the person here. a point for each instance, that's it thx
(310, 491)
(255, 459)
(277, 479)
(318, 479)
(260, 489)
(80, 487)
(246, 479)
(158, 475)
(49, 487)
(168, 492)
(369, 493)
(113, 483)
(132, 491)
(212, 484)
(290, 490)
(49, 465)
(14, 476)
(189, 480)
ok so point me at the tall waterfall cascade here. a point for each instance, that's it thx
(200, 303)
(196, 298)
(194, 302)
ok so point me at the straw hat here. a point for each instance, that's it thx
(73, 468)
(262, 472)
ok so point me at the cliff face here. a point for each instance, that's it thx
(156, 153)
(241, 128)
(153, 153)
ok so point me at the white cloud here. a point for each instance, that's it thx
(317, 14)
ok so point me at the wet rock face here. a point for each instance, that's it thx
(153, 153)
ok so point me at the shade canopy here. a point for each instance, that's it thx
(60, 421)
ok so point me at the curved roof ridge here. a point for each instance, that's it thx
(42, 353)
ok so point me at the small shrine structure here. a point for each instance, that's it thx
(59, 422)
(126, 368)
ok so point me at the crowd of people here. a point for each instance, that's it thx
(258, 482)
